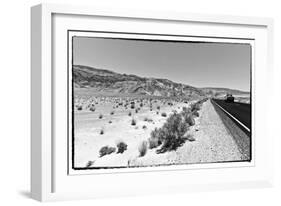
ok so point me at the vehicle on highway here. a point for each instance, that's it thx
(229, 98)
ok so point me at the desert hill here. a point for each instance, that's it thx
(108, 81)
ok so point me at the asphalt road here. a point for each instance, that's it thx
(241, 111)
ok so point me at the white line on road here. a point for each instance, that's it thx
(233, 117)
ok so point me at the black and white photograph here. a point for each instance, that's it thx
(154, 102)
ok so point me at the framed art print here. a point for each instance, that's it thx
(136, 102)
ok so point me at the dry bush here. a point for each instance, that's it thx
(142, 148)
(79, 107)
(152, 143)
(189, 119)
(195, 113)
(100, 116)
(146, 119)
(101, 131)
(164, 114)
(109, 121)
(112, 113)
(190, 138)
(158, 107)
(106, 150)
(132, 106)
(195, 107)
(130, 114)
(90, 163)
(172, 133)
(121, 147)
(144, 127)
(185, 110)
(155, 138)
(133, 122)
(92, 109)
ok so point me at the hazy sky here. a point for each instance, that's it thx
(195, 64)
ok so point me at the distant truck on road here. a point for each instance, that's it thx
(229, 98)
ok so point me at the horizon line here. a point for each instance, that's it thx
(205, 87)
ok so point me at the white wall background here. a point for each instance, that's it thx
(15, 103)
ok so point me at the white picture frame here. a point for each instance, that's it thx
(50, 177)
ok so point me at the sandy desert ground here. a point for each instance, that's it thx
(106, 121)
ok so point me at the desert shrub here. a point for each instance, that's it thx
(156, 134)
(106, 150)
(157, 112)
(133, 106)
(130, 114)
(144, 127)
(155, 138)
(121, 147)
(158, 107)
(142, 148)
(109, 121)
(185, 110)
(164, 114)
(189, 120)
(190, 138)
(172, 133)
(111, 150)
(112, 113)
(133, 122)
(141, 104)
(195, 107)
(136, 110)
(92, 109)
(101, 131)
(100, 116)
(90, 163)
(79, 107)
(152, 143)
(195, 113)
(146, 119)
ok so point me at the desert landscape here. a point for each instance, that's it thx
(123, 120)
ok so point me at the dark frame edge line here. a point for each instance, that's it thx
(149, 34)
(72, 93)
